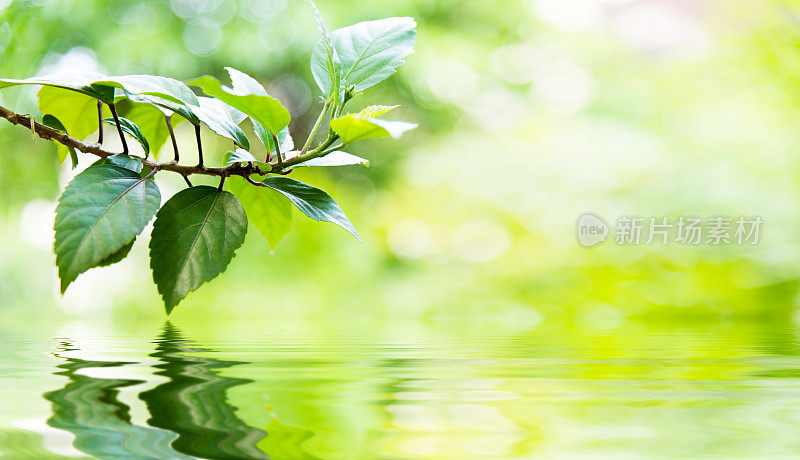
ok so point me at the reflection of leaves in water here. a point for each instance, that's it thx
(194, 405)
(90, 409)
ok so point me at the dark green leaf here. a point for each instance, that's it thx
(248, 96)
(371, 51)
(195, 236)
(81, 82)
(312, 201)
(131, 129)
(100, 211)
(117, 256)
(151, 85)
(269, 211)
(218, 117)
(55, 123)
(123, 161)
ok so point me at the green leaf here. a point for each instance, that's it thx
(354, 127)
(285, 140)
(100, 211)
(371, 51)
(153, 125)
(117, 256)
(238, 156)
(123, 161)
(324, 62)
(312, 201)
(80, 82)
(151, 85)
(167, 107)
(336, 158)
(195, 236)
(76, 112)
(62, 149)
(375, 111)
(218, 117)
(248, 96)
(132, 130)
(269, 211)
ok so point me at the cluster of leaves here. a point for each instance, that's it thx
(197, 231)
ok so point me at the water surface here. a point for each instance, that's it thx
(403, 390)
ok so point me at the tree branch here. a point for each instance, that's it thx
(61, 137)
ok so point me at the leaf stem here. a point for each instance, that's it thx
(113, 109)
(100, 121)
(199, 147)
(277, 150)
(316, 127)
(168, 118)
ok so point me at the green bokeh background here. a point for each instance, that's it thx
(530, 114)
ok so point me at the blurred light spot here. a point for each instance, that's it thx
(496, 109)
(411, 239)
(568, 15)
(481, 241)
(660, 27)
(279, 37)
(453, 80)
(188, 9)
(202, 36)
(36, 224)
(255, 10)
(77, 58)
(295, 93)
(567, 86)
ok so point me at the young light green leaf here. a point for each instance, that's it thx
(336, 158)
(353, 127)
(195, 236)
(62, 149)
(269, 211)
(123, 161)
(238, 156)
(248, 96)
(151, 122)
(375, 111)
(152, 85)
(312, 201)
(132, 130)
(324, 61)
(371, 51)
(218, 117)
(100, 211)
(76, 112)
(83, 83)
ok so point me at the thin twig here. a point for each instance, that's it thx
(188, 182)
(199, 146)
(45, 132)
(119, 128)
(99, 121)
(172, 136)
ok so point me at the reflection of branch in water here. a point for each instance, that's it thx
(194, 405)
(90, 409)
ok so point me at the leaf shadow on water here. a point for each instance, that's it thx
(190, 416)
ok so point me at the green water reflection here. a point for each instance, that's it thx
(407, 390)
